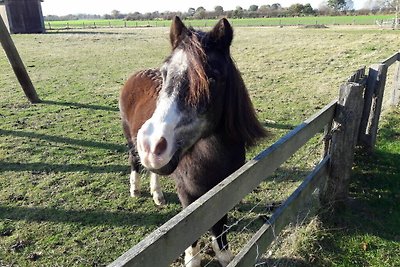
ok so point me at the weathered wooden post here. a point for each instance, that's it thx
(17, 64)
(395, 97)
(372, 106)
(344, 138)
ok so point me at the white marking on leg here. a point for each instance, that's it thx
(155, 190)
(134, 180)
(224, 256)
(192, 256)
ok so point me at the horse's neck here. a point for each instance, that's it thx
(217, 149)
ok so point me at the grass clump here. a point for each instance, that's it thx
(297, 245)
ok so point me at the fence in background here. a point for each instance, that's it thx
(256, 22)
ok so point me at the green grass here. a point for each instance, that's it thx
(64, 191)
(325, 20)
(367, 233)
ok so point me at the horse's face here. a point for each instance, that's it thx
(189, 105)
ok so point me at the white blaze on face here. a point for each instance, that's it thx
(156, 142)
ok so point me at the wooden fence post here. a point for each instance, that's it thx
(372, 106)
(345, 128)
(395, 97)
(17, 64)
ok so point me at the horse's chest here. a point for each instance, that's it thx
(207, 164)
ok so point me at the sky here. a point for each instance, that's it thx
(101, 7)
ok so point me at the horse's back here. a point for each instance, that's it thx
(138, 98)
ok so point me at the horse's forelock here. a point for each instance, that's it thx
(198, 80)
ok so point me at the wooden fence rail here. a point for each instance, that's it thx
(354, 116)
(373, 99)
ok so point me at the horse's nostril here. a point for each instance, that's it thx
(161, 146)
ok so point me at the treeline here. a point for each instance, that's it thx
(331, 7)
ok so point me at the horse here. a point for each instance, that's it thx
(192, 119)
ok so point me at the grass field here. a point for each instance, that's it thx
(286, 21)
(64, 194)
(368, 234)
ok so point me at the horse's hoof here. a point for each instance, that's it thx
(193, 263)
(192, 257)
(135, 193)
(159, 199)
(223, 256)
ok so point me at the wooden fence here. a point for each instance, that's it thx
(351, 119)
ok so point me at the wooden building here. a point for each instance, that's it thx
(22, 16)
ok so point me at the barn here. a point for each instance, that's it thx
(22, 16)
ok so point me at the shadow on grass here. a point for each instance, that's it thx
(97, 32)
(66, 140)
(84, 217)
(279, 126)
(49, 168)
(371, 217)
(375, 195)
(78, 105)
(284, 261)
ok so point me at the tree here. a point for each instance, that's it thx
(296, 9)
(253, 8)
(200, 13)
(264, 9)
(349, 5)
(219, 10)
(115, 14)
(238, 12)
(308, 10)
(276, 6)
(191, 11)
(337, 5)
(388, 4)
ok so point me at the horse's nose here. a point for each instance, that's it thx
(160, 147)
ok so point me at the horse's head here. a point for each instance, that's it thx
(190, 102)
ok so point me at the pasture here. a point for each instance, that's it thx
(64, 190)
(284, 21)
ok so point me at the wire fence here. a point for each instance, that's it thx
(263, 208)
(256, 22)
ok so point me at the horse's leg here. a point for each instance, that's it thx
(219, 242)
(134, 178)
(155, 190)
(192, 255)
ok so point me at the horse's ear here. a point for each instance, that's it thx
(177, 32)
(222, 33)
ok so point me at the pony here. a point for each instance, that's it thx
(192, 119)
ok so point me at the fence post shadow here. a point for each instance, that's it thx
(79, 105)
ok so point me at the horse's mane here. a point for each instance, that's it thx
(239, 118)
